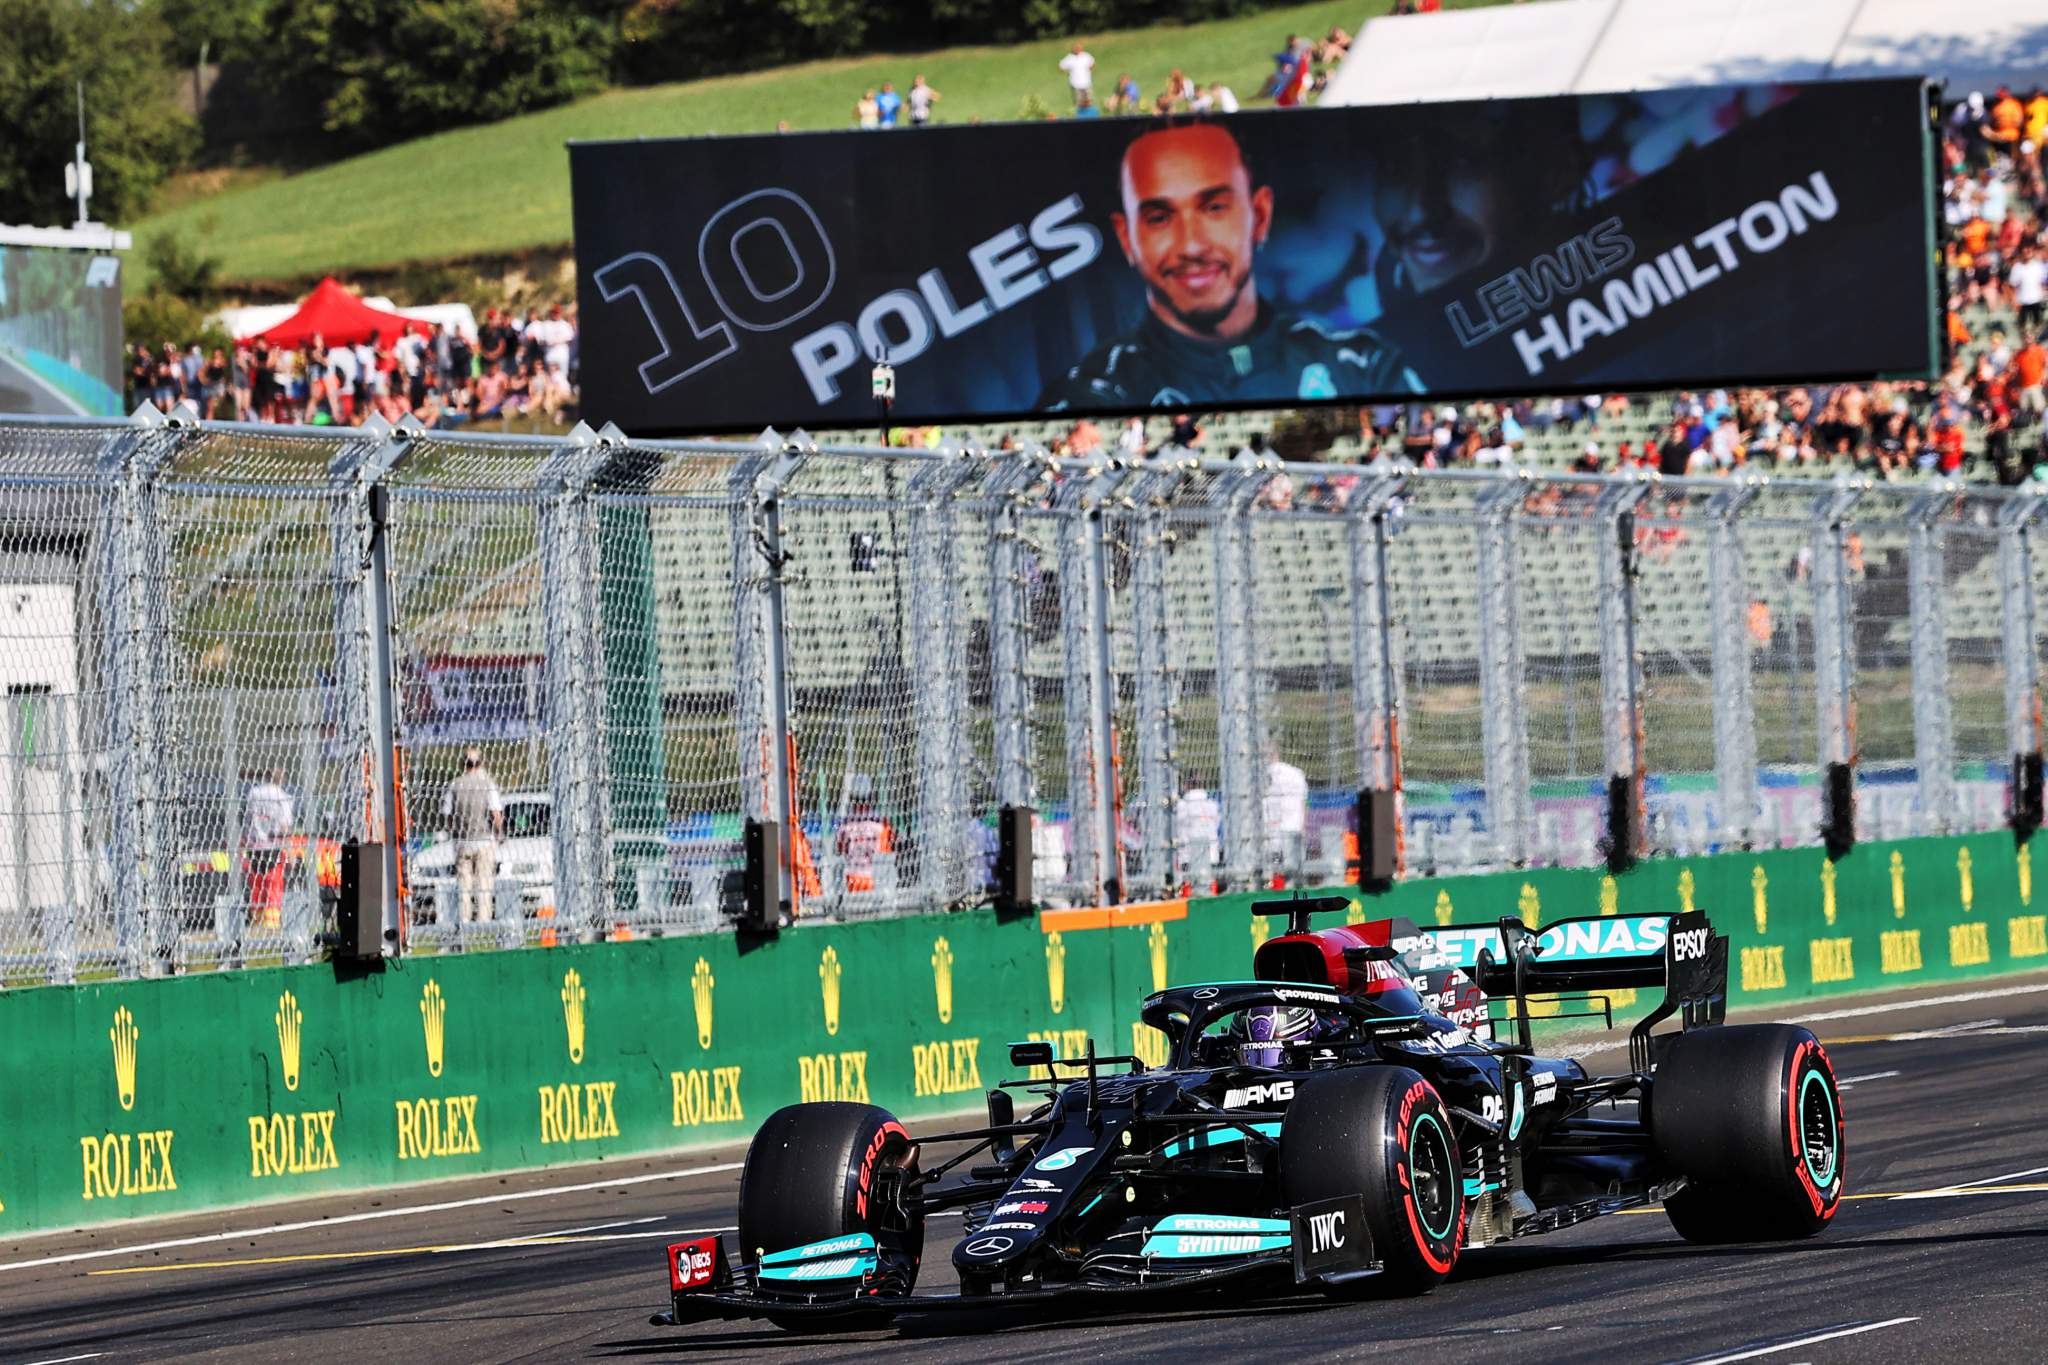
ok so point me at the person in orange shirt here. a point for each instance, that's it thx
(2029, 372)
(863, 834)
(2037, 116)
(2008, 119)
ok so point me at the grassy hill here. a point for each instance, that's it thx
(503, 188)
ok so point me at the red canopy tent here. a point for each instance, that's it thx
(339, 318)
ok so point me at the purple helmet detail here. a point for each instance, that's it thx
(1267, 1029)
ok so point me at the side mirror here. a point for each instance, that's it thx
(1031, 1054)
(1002, 1112)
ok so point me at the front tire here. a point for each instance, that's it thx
(1751, 1116)
(1380, 1132)
(816, 1171)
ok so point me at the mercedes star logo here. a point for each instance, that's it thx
(989, 1246)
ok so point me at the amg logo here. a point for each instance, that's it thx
(1326, 1231)
(1689, 944)
(1278, 1092)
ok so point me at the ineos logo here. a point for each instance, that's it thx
(988, 1246)
(1689, 944)
(1325, 1232)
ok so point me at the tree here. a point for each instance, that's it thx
(383, 70)
(134, 134)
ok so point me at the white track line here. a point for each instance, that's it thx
(62, 1360)
(374, 1215)
(1947, 1190)
(1964, 998)
(1802, 1341)
(1847, 1081)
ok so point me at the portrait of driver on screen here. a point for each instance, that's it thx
(1191, 219)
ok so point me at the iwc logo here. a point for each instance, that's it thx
(701, 982)
(289, 1018)
(124, 1035)
(434, 1020)
(828, 983)
(1056, 971)
(573, 996)
(942, 978)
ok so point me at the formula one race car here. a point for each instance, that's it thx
(1346, 1122)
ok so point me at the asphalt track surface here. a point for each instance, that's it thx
(22, 391)
(1940, 1253)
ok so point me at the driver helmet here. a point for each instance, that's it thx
(1265, 1030)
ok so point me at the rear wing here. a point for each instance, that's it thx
(1681, 953)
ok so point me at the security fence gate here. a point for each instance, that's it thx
(226, 650)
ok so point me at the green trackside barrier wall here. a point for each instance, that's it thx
(129, 1099)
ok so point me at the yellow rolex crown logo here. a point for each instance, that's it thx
(1898, 885)
(1968, 889)
(123, 1036)
(1685, 891)
(289, 1017)
(1757, 883)
(942, 978)
(2025, 858)
(828, 981)
(1529, 906)
(1610, 896)
(701, 983)
(1261, 931)
(1356, 914)
(1156, 941)
(1056, 971)
(573, 996)
(1444, 909)
(1827, 890)
(434, 1018)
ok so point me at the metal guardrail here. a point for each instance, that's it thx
(1186, 669)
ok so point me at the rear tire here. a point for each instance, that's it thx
(1380, 1132)
(811, 1174)
(1750, 1115)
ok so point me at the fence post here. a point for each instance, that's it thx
(761, 641)
(1834, 666)
(1933, 721)
(2019, 633)
(1008, 632)
(364, 636)
(1734, 696)
(939, 697)
(1375, 671)
(133, 673)
(569, 583)
(1157, 872)
(1504, 718)
(1621, 673)
(1241, 755)
(1091, 800)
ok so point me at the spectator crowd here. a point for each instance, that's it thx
(517, 366)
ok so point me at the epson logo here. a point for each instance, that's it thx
(1688, 944)
(1276, 1092)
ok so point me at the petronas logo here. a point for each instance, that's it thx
(1969, 890)
(289, 1017)
(1899, 885)
(1685, 891)
(573, 996)
(828, 982)
(1827, 890)
(701, 983)
(123, 1035)
(942, 978)
(1156, 941)
(434, 1017)
(1444, 909)
(1762, 907)
(1610, 896)
(1056, 971)
(1529, 906)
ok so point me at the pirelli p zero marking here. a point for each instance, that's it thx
(868, 1159)
(1816, 1127)
(1431, 1188)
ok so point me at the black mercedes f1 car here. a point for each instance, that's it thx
(1357, 1116)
